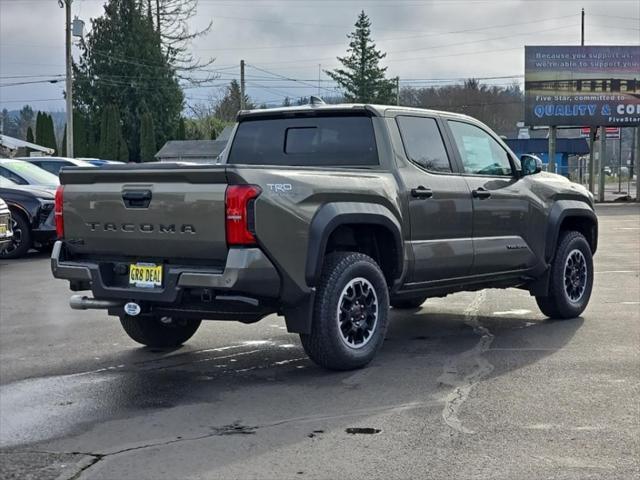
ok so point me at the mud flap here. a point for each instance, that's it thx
(298, 317)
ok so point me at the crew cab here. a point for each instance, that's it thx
(327, 215)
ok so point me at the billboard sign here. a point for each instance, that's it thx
(575, 86)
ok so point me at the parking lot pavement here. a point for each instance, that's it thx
(475, 385)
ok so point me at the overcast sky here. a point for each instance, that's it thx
(427, 41)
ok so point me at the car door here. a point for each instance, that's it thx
(439, 203)
(500, 203)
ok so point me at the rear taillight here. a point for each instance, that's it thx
(239, 200)
(57, 211)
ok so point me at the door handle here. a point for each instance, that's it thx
(136, 198)
(421, 192)
(481, 193)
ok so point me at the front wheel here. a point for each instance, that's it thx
(350, 312)
(571, 279)
(159, 332)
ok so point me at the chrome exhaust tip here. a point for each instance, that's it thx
(82, 302)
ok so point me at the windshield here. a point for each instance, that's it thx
(32, 174)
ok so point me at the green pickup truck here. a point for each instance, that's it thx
(327, 215)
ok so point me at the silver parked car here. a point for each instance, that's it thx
(54, 164)
(25, 173)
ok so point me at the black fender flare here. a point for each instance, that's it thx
(30, 217)
(561, 210)
(332, 215)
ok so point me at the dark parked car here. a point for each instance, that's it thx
(25, 173)
(54, 164)
(6, 230)
(32, 217)
(327, 215)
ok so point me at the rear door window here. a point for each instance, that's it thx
(423, 143)
(340, 141)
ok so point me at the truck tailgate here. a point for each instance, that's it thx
(149, 212)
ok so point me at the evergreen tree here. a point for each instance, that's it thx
(39, 128)
(123, 150)
(181, 134)
(80, 140)
(30, 137)
(63, 146)
(123, 63)
(45, 134)
(362, 79)
(110, 133)
(228, 107)
(147, 137)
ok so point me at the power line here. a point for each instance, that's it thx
(287, 78)
(15, 84)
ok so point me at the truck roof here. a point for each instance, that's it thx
(377, 110)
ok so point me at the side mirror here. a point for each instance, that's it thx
(530, 164)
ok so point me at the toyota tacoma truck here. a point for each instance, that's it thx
(326, 215)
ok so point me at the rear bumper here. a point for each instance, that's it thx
(247, 271)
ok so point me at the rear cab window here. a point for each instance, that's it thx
(423, 143)
(323, 140)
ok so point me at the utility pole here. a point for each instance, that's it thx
(603, 156)
(593, 131)
(397, 90)
(69, 81)
(553, 133)
(242, 85)
(620, 163)
(636, 160)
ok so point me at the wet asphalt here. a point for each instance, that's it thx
(475, 385)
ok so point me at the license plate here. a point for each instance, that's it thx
(145, 275)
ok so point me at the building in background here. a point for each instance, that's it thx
(566, 151)
(14, 147)
(196, 151)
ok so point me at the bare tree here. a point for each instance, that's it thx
(498, 106)
(171, 20)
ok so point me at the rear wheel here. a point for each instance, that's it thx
(21, 241)
(154, 331)
(408, 303)
(571, 278)
(350, 312)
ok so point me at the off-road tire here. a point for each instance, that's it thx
(325, 344)
(408, 303)
(557, 303)
(152, 332)
(20, 227)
